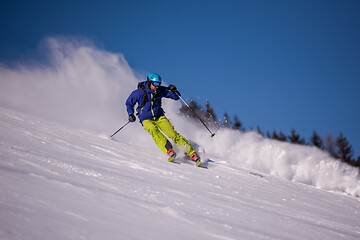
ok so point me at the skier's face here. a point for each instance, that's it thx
(154, 87)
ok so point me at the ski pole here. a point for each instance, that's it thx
(212, 134)
(118, 130)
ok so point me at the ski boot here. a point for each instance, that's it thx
(172, 155)
(195, 157)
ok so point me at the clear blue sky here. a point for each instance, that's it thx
(277, 64)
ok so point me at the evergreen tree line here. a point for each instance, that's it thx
(338, 148)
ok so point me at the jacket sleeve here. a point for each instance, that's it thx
(169, 94)
(131, 101)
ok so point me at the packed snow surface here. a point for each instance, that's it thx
(62, 183)
(62, 178)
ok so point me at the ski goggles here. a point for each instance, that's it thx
(156, 84)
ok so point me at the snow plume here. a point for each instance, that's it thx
(80, 85)
(303, 164)
(86, 87)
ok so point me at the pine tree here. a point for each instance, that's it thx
(195, 108)
(295, 138)
(330, 145)
(268, 134)
(226, 123)
(317, 141)
(210, 114)
(345, 152)
(259, 131)
(237, 123)
(357, 162)
(275, 135)
(282, 137)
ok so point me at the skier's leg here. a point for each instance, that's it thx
(166, 127)
(161, 141)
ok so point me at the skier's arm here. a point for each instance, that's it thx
(130, 103)
(171, 94)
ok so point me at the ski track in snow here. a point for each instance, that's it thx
(61, 183)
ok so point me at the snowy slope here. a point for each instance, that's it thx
(61, 183)
(61, 178)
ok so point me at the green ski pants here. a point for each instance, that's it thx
(167, 128)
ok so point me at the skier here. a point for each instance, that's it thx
(152, 117)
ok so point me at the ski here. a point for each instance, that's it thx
(171, 159)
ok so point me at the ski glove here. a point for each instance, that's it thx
(132, 118)
(173, 89)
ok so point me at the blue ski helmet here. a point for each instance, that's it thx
(155, 79)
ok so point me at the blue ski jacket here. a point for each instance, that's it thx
(152, 109)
